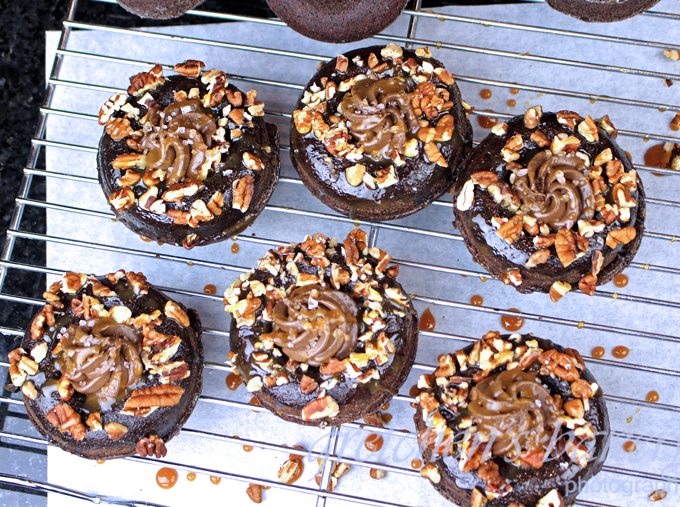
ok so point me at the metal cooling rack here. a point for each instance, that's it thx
(22, 433)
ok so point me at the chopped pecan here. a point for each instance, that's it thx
(568, 118)
(175, 312)
(151, 446)
(588, 284)
(254, 492)
(308, 385)
(588, 130)
(582, 389)
(65, 389)
(164, 395)
(63, 417)
(544, 241)
(351, 252)
(511, 229)
(538, 257)
(484, 178)
(112, 105)
(252, 162)
(565, 246)
(598, 261)
(190, 68)
(355, 174)
(560, 364)
(620, 237)
(444, 76)
(532, 117)
(144, 81)
(94, 421)
(575, 408)
(321, 408)
(115, 430)
(122, 199)
(29, 390)
(431, 472)
(558, 289)
(434, 155)
(118, 128)
(333, 367)
(540, 139)
(243, 189)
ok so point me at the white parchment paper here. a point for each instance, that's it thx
(175, 268)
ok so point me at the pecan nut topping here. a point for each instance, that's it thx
(315, 325)
(101, 358)
(556, 190)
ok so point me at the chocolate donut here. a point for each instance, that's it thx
(186, 160)
(511, 420)
(321, 331)
(110, 366)
(602, 10)
(159, 9)
(338, 20)
(380, 132)
(550, 203)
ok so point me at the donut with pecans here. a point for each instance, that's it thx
(380, 132)
(110, 366)
(186, 159)
(549, 202)
(321, 331)
(511, 421)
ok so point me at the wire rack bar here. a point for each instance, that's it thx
(392, 38)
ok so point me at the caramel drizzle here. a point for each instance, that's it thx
(101, 358)
(314, 325)
(177, 138)
(515, 409)
(555, 190)
(380, 115)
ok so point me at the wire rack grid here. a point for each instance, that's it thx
(638, 316)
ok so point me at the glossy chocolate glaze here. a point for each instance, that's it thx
(260, 140)
(420, 181)
(602, 10)
(497, 256)
(356, 400)
(165, 422)
(528, 484)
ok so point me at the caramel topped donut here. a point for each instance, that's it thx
(110, 366)
(511, 420)
(322, 332)
(380, 132)
(549, 202)
(188, 159)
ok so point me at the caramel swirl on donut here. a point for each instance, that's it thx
(101, 357)
(380, 115)
(177, 138)
(555, 190)
(314, 325)
(515, 409)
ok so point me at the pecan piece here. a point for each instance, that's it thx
(588, 284)
(565, 246)
(122, 199)
(94, 421)
(582, 389)
(164, 395)
(320, 409)
(558, 289)
(189, 68)
(118, 128)
(511, 229)
(115, 430)
(243, 192)
(308, 385)
(620, 237)
(151, 446)
(532, 117)
(65, 418)
(538, 257)
(175, 312)
(254, 492)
